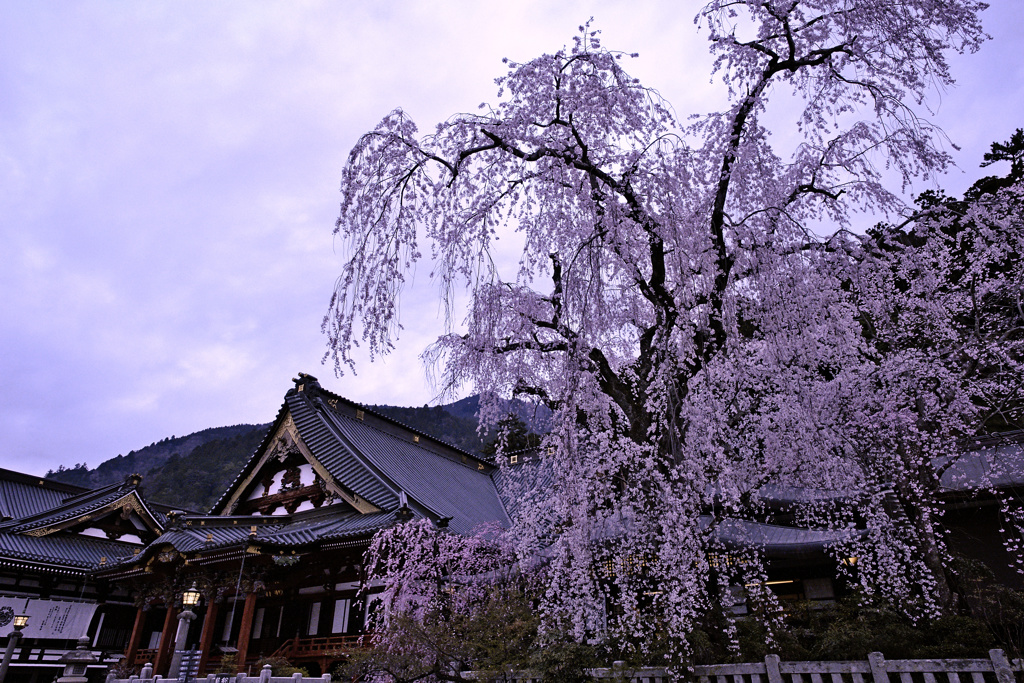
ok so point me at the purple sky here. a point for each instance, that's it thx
(169, 182)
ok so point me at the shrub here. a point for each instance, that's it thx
(280, 667)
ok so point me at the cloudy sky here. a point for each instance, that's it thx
(169, 183)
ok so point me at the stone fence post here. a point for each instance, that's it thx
(1001, 665)
(877, 663)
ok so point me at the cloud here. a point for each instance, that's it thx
(169, 182)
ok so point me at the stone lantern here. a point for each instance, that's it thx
(76, 661)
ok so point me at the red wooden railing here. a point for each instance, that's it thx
(320, 646)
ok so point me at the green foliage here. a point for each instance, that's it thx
(513, 435)
(149, 462)
(999, 608)
(196, 480)
(756, 640)
(1012, 151)
(280, 667)
(854, 627)
(504, 636)
(858, 625)
(76, 476)
(562, 660)
(500, 636)
(228, 663)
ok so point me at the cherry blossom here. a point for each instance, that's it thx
(689, 301)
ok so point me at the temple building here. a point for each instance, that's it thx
(52, 537)
(278, 558)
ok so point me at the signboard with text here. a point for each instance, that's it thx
(62, 619)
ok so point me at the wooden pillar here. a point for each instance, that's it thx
(133, 642)
(163, 659)
(245, 630)
(206, 639)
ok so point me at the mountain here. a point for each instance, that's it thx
(152, 457)
(190, 472)
(195, 481)
(534, 415)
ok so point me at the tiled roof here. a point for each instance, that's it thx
(78, 507)
(63, 550)
(998, 463)
(516, 483)
(378, 459)
(22, 495)
(340, 457)
(442, 484)
(51, 504)
(211, 532)
(328, 528)
(776, 540)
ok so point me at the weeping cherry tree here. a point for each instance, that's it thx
(689, 300)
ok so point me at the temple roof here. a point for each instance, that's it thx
(444, 485)
(45, 530)
(372, 458)
(58, 553)
(996, 461)
(85, 506)
(199, 533)
(22, 495)
(365, 472)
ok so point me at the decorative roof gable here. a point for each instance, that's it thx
(118, 509)
(372, 463)
(69, 530)
(296, 468)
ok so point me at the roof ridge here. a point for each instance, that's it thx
(39, 481)
(98, 490)
(316, 390)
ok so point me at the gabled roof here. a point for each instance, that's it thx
(379, 460)
(85, 506)
(38, 537)
(343, 460)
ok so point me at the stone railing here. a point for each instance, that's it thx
(146, 676)
(876, 669)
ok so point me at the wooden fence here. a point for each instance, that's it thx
(996, 669)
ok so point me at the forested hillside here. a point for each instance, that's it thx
(149, 458)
